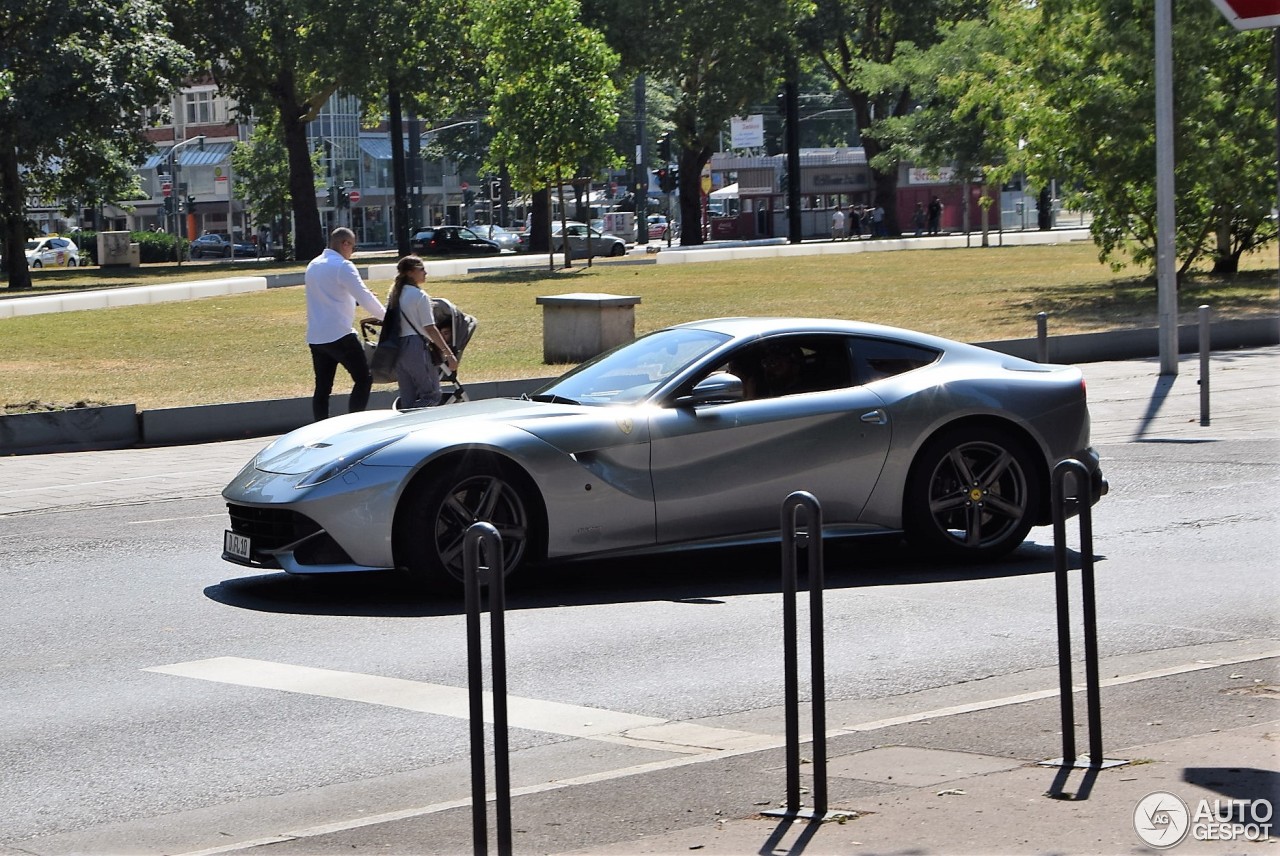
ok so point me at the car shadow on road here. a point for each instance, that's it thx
(694, 577)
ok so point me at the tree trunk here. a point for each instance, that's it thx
(690, 187)
(1224, 260)
(310, 240)
(12, 221)
(540, 226)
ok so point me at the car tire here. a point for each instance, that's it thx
(973, 493)
(618, 250)
(37, 264)
(72, 263)
(226, 254)
(467, 491)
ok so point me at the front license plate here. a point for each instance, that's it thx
(237, 545)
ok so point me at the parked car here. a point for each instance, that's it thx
(52, 251)
(452, 241)
(690, 435)
(219, 246)
(504, 238)
(658, 226)
(601, 243)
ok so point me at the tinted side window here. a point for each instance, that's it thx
(787, 365)
(875, 359)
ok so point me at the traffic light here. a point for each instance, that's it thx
(664, 147)
(191, 203)
(495, 191)
(662, 179)
(674, 177)
(668, 179)
(168, 205)
(333, 196)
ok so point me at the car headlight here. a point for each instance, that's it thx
(343, 464)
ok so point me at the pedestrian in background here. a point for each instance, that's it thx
(918, 218)
(416, 372)
(935, 215)
(877, 222)
(856, 216)
(333, 288)
(837, 225)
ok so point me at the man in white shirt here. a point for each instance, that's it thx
(333, 288)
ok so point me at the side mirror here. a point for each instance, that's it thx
(718, 388)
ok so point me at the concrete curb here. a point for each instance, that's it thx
(122, 426)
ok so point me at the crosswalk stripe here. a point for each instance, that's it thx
(532, 714)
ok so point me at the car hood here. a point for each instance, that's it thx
(358, 435)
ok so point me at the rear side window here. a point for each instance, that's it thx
(876, 359)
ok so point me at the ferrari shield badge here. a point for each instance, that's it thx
(625, 424)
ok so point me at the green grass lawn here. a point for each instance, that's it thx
(251, 347)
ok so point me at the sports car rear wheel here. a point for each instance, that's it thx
(973, 493)
(446, 507)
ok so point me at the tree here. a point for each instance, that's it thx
(261, 170)
(1075, 92)
(285, 59)
(74, 79)
(719, 56)
(944, 129)
(553, 100)
(857, 42)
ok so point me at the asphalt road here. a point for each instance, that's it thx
(159, 700)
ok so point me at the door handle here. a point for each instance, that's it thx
(875, 417)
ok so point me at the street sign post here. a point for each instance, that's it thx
(353, 196)
(1250, 14)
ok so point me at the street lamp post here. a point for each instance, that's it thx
(176, 188)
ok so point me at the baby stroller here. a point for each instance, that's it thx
(457, 328)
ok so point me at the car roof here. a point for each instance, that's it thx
(748, 327)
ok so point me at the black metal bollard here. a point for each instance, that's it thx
(1079, 474)
(494, 573)
(1042, 337)
(811, 540)
(1204, 314)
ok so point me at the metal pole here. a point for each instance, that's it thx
(1077, 474)
(641, 197)
(1062, 599)
(791, 681)
(1166, 252)
(475, 696)
(492, 574)
(794, 226)
(817, 654)
(1204, 364)
(1091, 679)
(811, 540)
(1042, 337)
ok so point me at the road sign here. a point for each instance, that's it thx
(465, 187)
(353, 196)
(1250, 14)
(167, 188)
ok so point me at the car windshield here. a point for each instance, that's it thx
(631, 372)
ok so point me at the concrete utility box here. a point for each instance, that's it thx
(115, 250)
(576, 327)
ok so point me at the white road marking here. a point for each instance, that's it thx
(533, 714)
(764, 742)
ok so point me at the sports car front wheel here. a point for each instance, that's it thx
(443, 510)
(973, 493)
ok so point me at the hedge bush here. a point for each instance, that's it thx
(153, 247)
